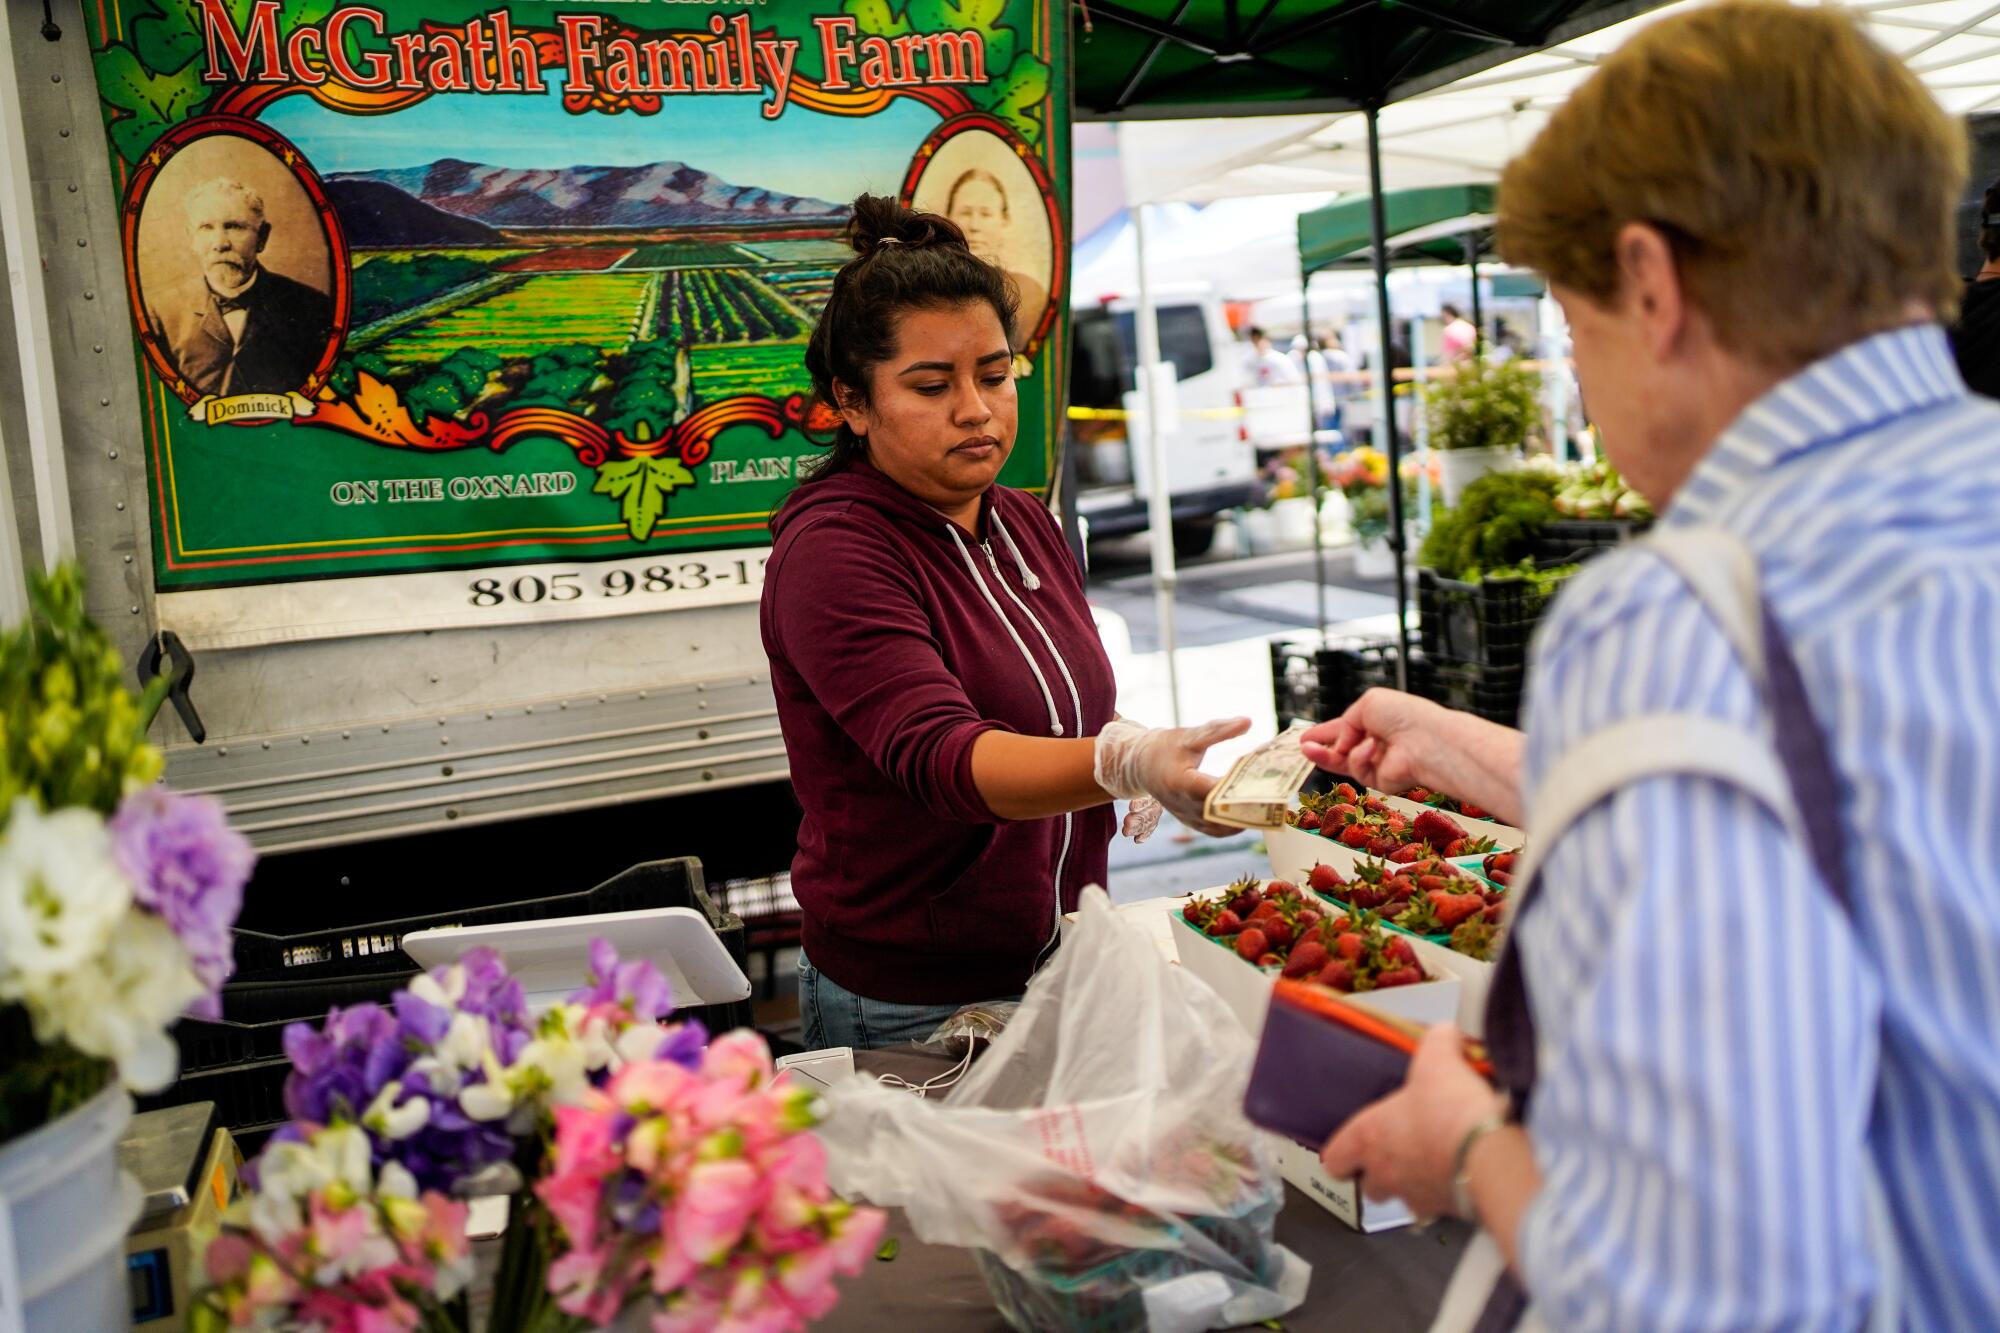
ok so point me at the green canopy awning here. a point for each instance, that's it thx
(1164, 59)
(1428, 225)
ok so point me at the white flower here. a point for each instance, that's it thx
(466, 1042)
(396, 1182)
(640, 1042)
(446, 995)
(391, 1121)
(119, 1004)
(556, 1066)
(345, 1150)
(487, 1101)
(60, 894)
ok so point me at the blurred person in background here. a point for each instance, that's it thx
(1744, 1026)
(1975, 339)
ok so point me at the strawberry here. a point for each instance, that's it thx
(1195, 911)
(1495, 912)
(1324, 879)
(1420, 918)
(1348, 945)
(1346, 794)
(1401, 951)
(1504, 878)
(1401, 976)
(1269, 960)
(1439, 830)
(1493, 896)
(1434, 883)
(1341, 814)
(1421, 795)
(1476, 938)
(1246, 900)
(1338, 975)
(1282, 888)
(1307, 959)
(1355, 835)
(1471, 811)
(1307, 820)
(1366, 897)
(1453, 908)
(1264, 911)
(1226, 923)
(1373, 805)
(1470, 847)
(1409, 853)
(1400, 887)
(1251, 943)
(1502, 861)
(1279, 932)
(1383, 844)
(1307, 920)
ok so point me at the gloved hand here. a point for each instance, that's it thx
(1134, 761)
(1141, 818)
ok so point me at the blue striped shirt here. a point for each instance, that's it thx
(1718, 1047)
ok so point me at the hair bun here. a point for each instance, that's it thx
(878, 222)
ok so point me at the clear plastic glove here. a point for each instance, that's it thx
(1165, 764)
(1141, 818)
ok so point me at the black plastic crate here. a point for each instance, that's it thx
(1493, 693)
(238, 1061)
(1311, 683)
(1485, 624)
(1572, 540)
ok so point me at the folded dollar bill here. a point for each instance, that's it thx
(1260, 786)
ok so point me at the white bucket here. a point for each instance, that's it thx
(1459, 468)
(70, 1208)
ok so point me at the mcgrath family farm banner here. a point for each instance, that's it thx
(468, 312)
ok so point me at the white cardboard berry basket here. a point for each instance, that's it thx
(1506, 836)
(1246, 989)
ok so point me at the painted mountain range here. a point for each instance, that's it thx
(376, 213)
(662, 194)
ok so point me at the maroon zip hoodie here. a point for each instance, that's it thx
(896, 638)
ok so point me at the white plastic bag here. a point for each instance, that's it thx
(1097, 1156)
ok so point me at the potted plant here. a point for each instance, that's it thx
(1480, 418)
(1362, 476)
(117, 899)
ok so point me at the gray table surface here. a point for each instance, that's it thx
(1385, 1283)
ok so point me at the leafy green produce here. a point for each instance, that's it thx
(1484, 406)
(1493, 525)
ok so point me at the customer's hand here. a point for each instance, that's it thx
(1165, 764)
(1386, 739)
(1403, 1145)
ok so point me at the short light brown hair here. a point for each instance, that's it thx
(1804, 177)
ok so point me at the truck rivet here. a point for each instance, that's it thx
(81, 242)
(63, 134)
(114, 455)
(97, 347)
(642, 694)
(267, 745)
(707, 775)
(72, 187)
(446, 770)
(121, 506)
(444, 740)
(702, 734)
(55, 78)
(347, 735)
(489, 715)
(565, 705)
(385, 731)
(104, 402)
(603, 699)
(434, 679)
(222, 749)
(451, 814)
(305, 740)
(440, 722)
(89, 295)
(135, 610)
(128, 559)
(529, 710)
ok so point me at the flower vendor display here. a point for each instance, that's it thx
(658, 1180)
(116, 902)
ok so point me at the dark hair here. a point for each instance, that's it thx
(1989, 222)
(1255, 333)
(903, 261)
(1449, 309)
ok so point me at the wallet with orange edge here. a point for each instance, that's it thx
(1324, 1057)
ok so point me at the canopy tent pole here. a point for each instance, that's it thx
(1159, 509)
(1312, 454)
(1379, 230)
(1478, 314)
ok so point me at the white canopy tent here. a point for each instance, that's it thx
(1465, 132)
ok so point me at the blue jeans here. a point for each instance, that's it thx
(832, 1015)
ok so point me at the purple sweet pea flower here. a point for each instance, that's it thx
(682, 1044)
(338, 1068)
(188, 867)
(490, 991)
(636, 987)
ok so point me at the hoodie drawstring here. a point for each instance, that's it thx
(1028, 578)
(972, 567)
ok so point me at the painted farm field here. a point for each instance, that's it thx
(774, 370)
(687, 254)
(602, 310)
(567, 259)
(726, 306)
(821, 252)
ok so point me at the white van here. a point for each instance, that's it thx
(1210, 457)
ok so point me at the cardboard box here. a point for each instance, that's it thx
(1300, 1166)
(1246, 988)
(1294, 852)
(1475, 980)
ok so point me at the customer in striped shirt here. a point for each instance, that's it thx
(1746, 213)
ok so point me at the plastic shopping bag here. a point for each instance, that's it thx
(1096, 1157)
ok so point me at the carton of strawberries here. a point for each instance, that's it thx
(1429, 897)
(1279, 925)
(1367, 824)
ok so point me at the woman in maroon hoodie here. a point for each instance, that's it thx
(946, 704)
